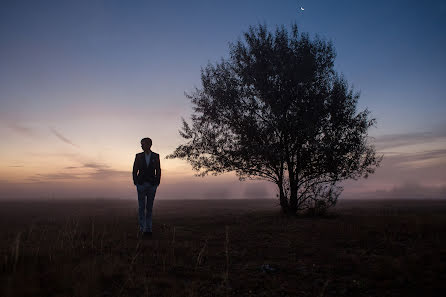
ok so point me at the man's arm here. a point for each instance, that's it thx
(158, 170)
(135, 171)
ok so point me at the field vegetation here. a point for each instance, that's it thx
(222, 248)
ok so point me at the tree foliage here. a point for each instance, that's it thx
(277, 110)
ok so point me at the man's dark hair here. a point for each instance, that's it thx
(146, 140)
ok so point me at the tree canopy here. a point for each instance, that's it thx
(277, 110)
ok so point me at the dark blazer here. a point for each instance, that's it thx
(143, 173)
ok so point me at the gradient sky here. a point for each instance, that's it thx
(81, 82)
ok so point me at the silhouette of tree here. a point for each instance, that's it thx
(276, 110)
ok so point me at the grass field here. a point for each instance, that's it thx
(222, 248)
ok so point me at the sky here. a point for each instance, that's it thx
(81, 82)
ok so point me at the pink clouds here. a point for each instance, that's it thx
(63, 138)
(413, 167)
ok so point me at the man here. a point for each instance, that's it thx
(146, 177)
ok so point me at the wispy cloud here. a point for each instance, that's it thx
(103, 171)
(99, 171)
(54, 176)
(63, 138)
(417, 156)
(415, 150)
(397, 140)
(95, 165)
(13, 123)
(20, 129)
(424, 159)
(111, 173)
(385, 142)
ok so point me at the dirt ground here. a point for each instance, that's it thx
(222, 248)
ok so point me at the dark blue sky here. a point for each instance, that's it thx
(392, 51)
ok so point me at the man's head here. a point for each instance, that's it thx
(146, 144)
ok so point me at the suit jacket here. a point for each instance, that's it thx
(143, 173)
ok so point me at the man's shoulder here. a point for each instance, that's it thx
(140, 155)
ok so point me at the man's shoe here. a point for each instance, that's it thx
(148, 234)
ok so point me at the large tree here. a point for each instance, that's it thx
(277, 110)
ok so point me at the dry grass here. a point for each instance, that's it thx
(222, 248)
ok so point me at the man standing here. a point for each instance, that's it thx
(146, 177)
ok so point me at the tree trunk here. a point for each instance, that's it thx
(293, 192)
(282, 198)
(293, 197)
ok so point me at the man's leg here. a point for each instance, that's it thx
(151, 191)
(141, 206)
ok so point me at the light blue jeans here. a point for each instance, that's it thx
(145, 206)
